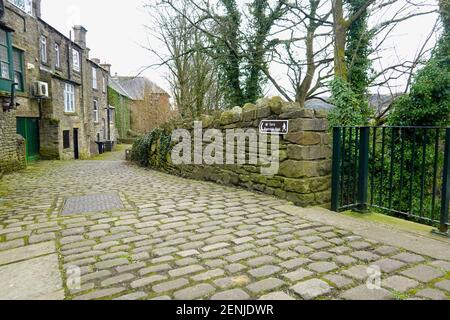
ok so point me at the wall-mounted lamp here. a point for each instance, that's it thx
(10, 103)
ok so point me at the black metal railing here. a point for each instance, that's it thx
(403, 171)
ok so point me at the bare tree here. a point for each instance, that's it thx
(192, 72)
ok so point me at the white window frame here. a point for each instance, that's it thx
(43, 49)
(96, 112)
(94, 78)
(58, 55)
(24, 5)
(69, 98)
(76, 60)
(111, 114)
(104, 84)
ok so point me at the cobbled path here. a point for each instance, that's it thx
(183, 239)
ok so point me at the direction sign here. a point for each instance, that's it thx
(280, 127)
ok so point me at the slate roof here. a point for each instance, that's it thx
(135, 86)
(116, 86)
(379, 102)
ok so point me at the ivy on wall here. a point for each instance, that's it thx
(122, 113)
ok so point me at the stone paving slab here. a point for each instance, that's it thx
(28, 252)
(33, 279)
(184, 239)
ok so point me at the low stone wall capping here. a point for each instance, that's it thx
(304, 175)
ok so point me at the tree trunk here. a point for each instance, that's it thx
(340, 34)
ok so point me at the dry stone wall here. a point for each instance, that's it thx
(12, 145)
(304, 175)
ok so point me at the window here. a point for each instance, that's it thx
(111, 115)
(69, 98)
(94, 78)
(24, 5)
(57, 56)
(76, 60)
(18, 69)
(104, 84)
(66, 139)
(43, 49)
(95, 111)
(5, 46)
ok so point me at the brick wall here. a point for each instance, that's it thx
(304, 175)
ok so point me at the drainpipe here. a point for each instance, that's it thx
(108, 117)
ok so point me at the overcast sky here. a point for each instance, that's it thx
(116, 33)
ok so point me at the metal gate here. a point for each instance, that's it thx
(404, 171)
(29, 129)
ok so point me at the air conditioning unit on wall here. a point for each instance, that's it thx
(41, 89)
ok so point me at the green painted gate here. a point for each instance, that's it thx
(29, 129)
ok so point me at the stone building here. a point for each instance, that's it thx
(57, 84)
(149, 105)
(120, 100)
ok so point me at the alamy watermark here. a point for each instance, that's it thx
(237, 146)
(374, 280)
(73, 278)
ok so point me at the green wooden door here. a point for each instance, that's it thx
(29, 129)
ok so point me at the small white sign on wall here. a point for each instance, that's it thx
(275, 127)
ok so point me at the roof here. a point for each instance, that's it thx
(318, 104)
(116, 86)
(136, 86)
(379, 102)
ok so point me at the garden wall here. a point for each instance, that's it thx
(12, 145)
(304, 175)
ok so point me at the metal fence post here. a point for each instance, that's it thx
(445, 185)
(363, 179)
(336, 178)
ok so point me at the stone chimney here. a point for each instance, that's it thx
(107, 67)
(37, 8)
(80, 36)
(95, 60)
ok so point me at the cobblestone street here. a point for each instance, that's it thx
(181, 239)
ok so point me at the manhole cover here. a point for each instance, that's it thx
(92, 203)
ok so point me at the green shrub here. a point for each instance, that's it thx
(428, 104)
(350, 109)
(152, 148)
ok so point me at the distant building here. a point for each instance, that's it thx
(378, 102)
(149, 104)
(120, 100)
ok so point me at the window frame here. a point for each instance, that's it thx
(76, 60)
(43, 49)
(26, 6)
(96, 111)
(57, 55)
(69, 98)
(104, 84)
(10, 62)
(110, 115)
(94, 78)
(20, 70)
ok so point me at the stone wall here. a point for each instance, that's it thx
(12, 145)
(304, 175)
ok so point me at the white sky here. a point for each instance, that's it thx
(116, 34)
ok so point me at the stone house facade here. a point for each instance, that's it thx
(54, 106)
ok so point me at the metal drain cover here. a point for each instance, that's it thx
(92, 203)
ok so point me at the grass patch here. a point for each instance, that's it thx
(391, 221)
(107, 155)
